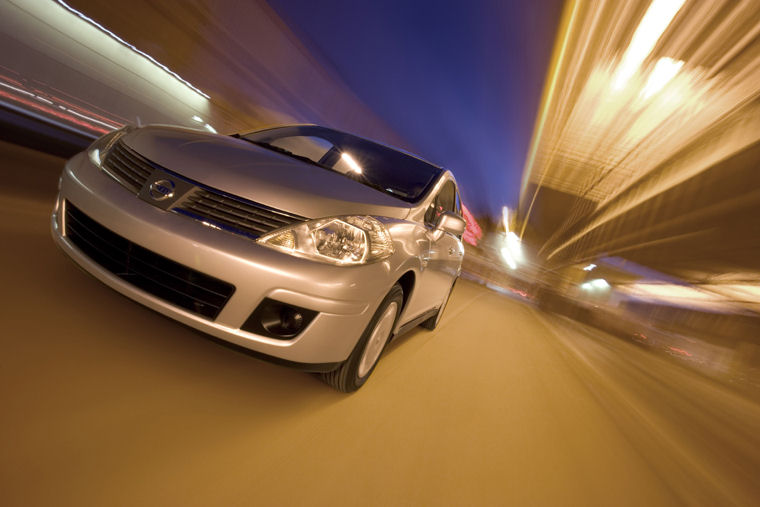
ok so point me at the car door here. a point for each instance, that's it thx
(443, 256)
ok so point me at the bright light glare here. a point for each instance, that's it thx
(512, 250)
(210, 128)
(351, 163)
(95, 157)
(597, 284)
(670, 291)
(508, 258)
(590, 267)
(514, 246)
(740, 291)
(505, 217)
(652, 26)
(663, 72)
(197, 118)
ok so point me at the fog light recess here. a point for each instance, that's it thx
(278, 320)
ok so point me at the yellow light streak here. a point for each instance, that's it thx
(665, 70)
(568, 20)
(652, 26)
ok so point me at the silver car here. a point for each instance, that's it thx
(308, 246)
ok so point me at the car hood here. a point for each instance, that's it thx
(244, 169)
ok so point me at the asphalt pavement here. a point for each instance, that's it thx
(105, 402)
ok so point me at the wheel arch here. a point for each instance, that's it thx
(407, 281)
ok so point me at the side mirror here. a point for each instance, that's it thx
(451, 223)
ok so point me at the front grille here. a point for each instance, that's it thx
(185, 287)
(248, 218)
(206, 204)
(128, 167)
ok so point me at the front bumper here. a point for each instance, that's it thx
(345, 297)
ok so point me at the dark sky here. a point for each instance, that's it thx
(460, 80)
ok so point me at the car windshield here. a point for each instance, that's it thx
(396, 173)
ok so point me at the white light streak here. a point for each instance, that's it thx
(351, 163)
(665, 70)
(670, 291)
(17, 89)
(64, 108)
(652, 26)
(505, 218)
(590, 267)
(514, 246)
(508, 258)
(598, 284)
(210, 128)
(89, 118)
(133, 48)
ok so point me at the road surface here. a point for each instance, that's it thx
(105, 402)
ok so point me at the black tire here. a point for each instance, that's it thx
(348, 377)
(433, 321)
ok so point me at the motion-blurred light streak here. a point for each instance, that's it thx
(56, 108)
(472, 232)
(137, 51)
(102, 75)
(598, 284)
(30, 106)
(507, 256)
(355, 167)
(647, 139)
(567, 26)
(652, 26)
(663, 72)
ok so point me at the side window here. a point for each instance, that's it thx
(446, 200)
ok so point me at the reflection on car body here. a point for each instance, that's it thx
(306, 245)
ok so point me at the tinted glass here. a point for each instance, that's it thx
(393, 172)
(444, 201)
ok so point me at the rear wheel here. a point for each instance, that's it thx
(433, 321)
(355, 371)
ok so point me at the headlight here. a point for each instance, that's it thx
(98, 150)
(346, 240)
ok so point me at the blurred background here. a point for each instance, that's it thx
(608, 152)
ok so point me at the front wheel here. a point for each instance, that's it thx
(355, 370)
